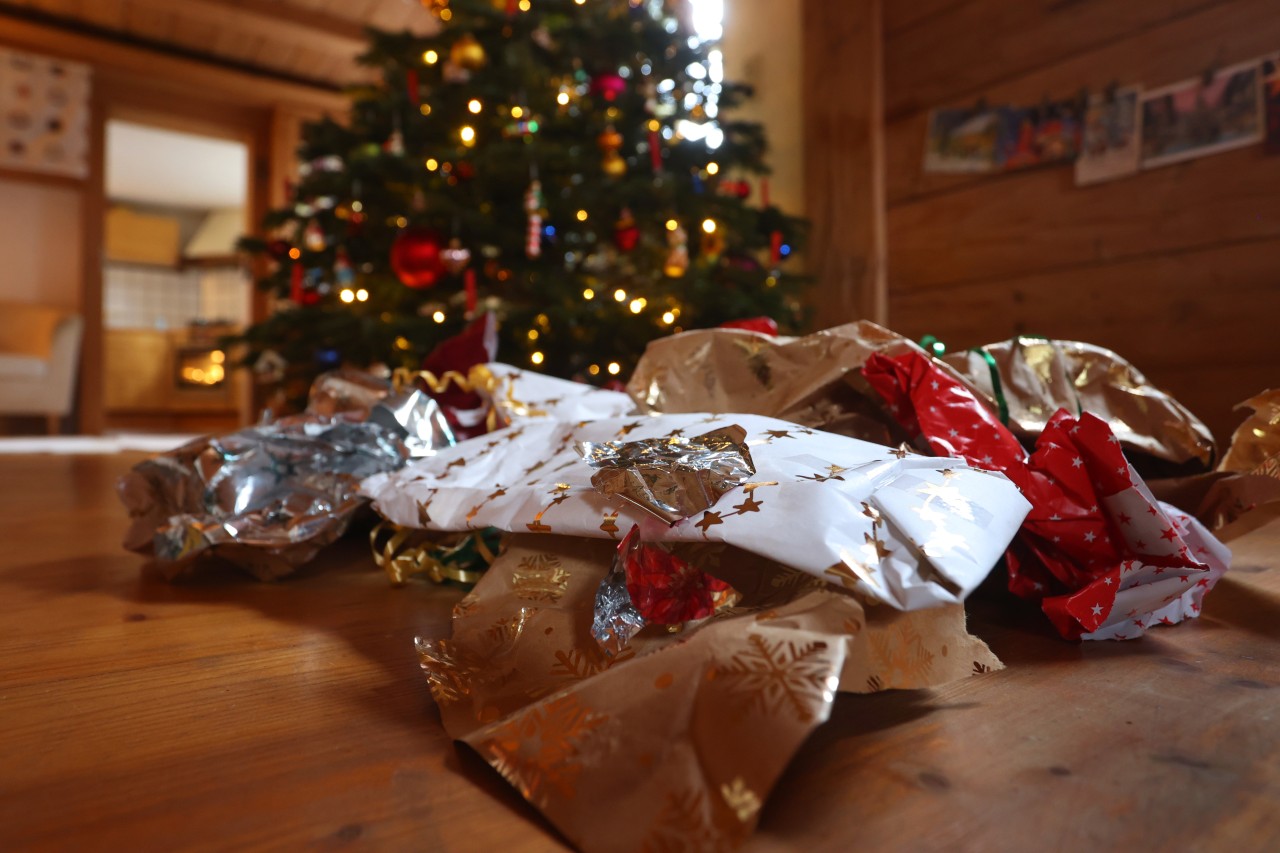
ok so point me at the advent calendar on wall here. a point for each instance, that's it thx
(44, 114)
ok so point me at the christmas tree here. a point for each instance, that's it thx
(563, 163)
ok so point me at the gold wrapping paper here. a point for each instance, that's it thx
(673, 477)
(676, 743)
(1255, 446)
(815, 381)
(1037, 377)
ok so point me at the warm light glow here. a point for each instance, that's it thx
(580, 2)
(446, 14)
(771, 281)
(425, 109)
(402, 343)
(533, 334)
(475, 106)
(637, 305)
(537, 358)
(517, 112)
(217, 356)
(620, 295)
(430, 57)
(594, 370)
(295, 253)
(362, 295)
(615, 368)
(347, 295)
(672, 225)
(668, 318)
(713, 168)
(524, 5)
(357, 206)
(468, 134)
(432, 164)
(563, 99)
(582, 216)
(588, 294)
(438, 316)
(709, 225)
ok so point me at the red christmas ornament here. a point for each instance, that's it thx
(626, 234)
(415, 257)
(609, 86)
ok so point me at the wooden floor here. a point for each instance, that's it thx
(227, 714)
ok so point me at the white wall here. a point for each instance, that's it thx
(762, 47)
(40, 252)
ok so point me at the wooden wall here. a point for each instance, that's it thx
(1177, 268)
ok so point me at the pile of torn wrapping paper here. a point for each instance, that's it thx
(691, 573)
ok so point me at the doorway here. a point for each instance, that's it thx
(176, 203)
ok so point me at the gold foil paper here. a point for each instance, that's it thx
(673, 477)
(684, 734)
(346, 390)
(1256, 442)
(815, 381)
(1037, 377)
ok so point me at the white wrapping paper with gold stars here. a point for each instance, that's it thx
(908, 530)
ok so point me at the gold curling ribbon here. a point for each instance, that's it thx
(401, 557)
(479, 380)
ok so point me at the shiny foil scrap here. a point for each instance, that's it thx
(267, 498)
(673, 477)
(416, 419)
(647, 585)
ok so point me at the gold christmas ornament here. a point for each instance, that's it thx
(468, 53)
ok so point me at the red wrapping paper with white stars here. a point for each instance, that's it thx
(1104, 558)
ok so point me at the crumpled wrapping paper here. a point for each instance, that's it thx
(346, 390)
(266, 498)
(649, 585)
(1034, 377)
(910, 531)
(1255, 446)
(675, 744)
(813, 380)
(523, 394)
(1104, 558)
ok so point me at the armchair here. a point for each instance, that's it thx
(39, 357)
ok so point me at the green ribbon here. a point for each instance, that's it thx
(937, 349)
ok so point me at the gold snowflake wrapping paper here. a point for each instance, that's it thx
(676, 743)
(815, 380)
(1037, 377)
(910, 531)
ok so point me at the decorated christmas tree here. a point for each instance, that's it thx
(566, 164)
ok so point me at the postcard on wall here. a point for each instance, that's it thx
(1040, 135)
(44, 114)
(1271, 102)
(961, 141)
(1202, 116)
(1112, 145)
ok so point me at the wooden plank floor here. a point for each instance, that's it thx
(227, 714)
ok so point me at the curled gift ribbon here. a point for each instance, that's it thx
(478, 380)
(403, 552)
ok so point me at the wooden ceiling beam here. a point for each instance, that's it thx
(274, 21)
